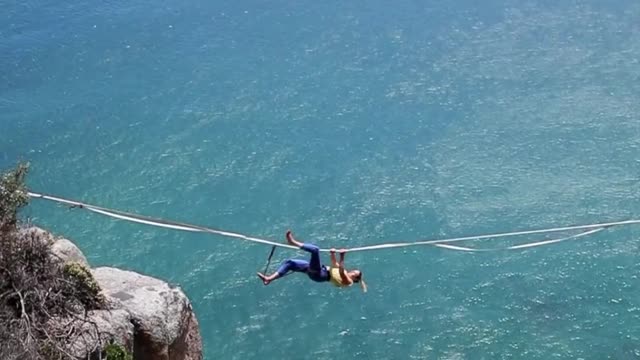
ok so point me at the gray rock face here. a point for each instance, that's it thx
(63, 249)
(38, 233)
(165, 327)
(110, 325)
(66, 251)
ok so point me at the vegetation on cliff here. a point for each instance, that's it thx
(42, 299)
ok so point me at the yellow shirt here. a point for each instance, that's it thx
(336, 279)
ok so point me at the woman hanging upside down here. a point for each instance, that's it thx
(336, 273)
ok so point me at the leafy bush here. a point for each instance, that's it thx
(13, 196)
(85, 287)
(39, 296)
(117, 352)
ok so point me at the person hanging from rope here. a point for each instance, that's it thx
(336, 273)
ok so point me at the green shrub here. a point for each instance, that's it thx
(117, 352)
(86, 287)
(13, 196)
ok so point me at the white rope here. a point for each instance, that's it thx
(521, 246)
(156, 222)
(121, 217)
(442, 243)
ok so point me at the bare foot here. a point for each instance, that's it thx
(291, 240)
(264, 279)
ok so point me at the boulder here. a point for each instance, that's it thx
(110, 325)
(165, 326)
(67, 251)
(61, 248)
(37, 233)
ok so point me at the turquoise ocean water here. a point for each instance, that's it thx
(350, 123)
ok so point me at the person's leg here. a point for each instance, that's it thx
(295, 265)
(315, 266)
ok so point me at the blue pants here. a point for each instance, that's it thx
(313, 268)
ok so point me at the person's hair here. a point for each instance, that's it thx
(359, 279)
(363, 285)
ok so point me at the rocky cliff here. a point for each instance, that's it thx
(147, 316)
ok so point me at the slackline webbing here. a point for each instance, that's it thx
(441, 243)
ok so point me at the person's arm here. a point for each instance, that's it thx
(334, 262)
(343, 274)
